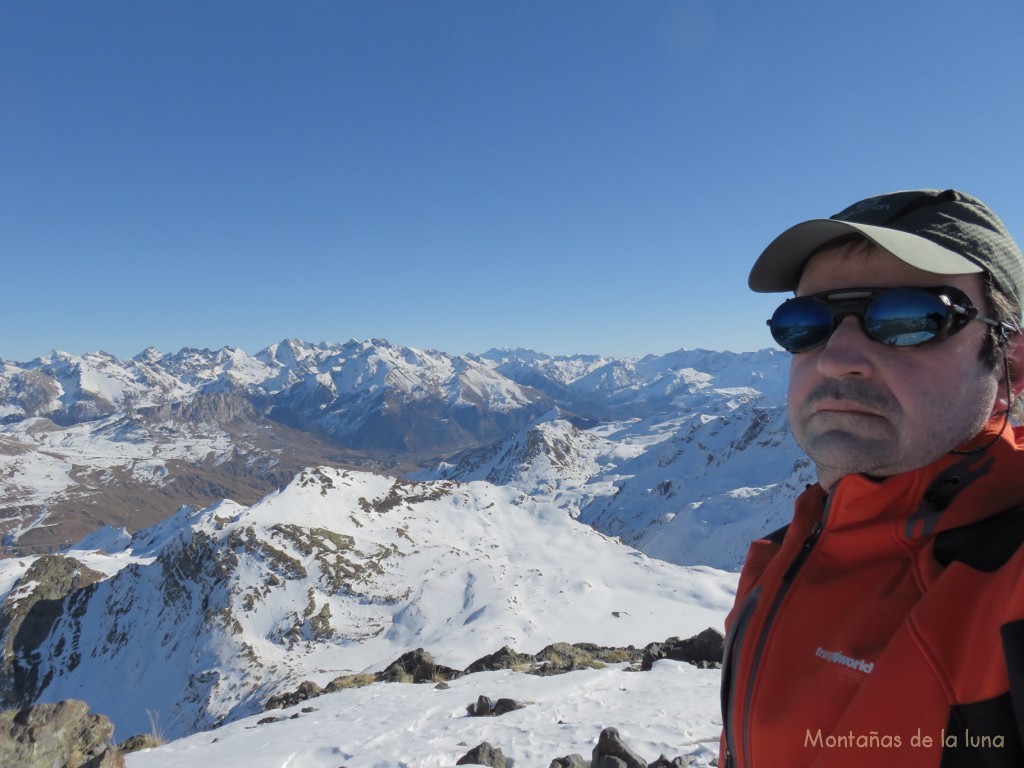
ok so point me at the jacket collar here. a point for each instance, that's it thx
(952, 491)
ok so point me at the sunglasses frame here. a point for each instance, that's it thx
(959, 311)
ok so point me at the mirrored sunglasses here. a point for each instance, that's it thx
(898, 317)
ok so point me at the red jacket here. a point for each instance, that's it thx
(885, 624)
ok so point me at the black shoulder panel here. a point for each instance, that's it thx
(1013, 652)
(984, 734)
(776, 537)
(985, 546)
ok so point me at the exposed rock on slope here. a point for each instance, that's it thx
(29, 614)
(63, 734)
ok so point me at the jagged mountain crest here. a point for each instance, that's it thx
(352, 368)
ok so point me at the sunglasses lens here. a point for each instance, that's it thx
(905, 318)
(801, 324)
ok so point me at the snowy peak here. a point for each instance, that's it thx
(562, 370)
(288, 353)
(551, 460)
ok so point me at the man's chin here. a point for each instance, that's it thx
(846, 453)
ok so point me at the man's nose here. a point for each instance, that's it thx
(848, 352)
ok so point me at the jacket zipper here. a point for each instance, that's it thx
(733, 641)
(787, 580)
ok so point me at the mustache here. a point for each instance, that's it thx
(857, 392)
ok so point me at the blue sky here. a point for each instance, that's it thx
(563, 175)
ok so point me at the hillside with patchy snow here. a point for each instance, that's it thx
(206, 615)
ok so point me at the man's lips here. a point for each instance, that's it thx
(849, 399)
(843, 406)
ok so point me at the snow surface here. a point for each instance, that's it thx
(672, 710)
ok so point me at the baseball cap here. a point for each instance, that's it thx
(944, 232)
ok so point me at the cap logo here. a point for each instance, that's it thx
(865, 206)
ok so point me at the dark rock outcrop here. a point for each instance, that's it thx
(32, 607)
(483, 754)
(610, 752)
(504, 706)
(702, 650)
(677, 762)
(139, 742)
(484, 707)
(420, 667)
(506, 658)
(481, 708)
(610, 745)
(305, 691)
(557, 658)
(65, 734)
(569, 761)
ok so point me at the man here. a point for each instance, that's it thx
(885, 624)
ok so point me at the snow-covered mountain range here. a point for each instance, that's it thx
(686, 456)
(250, 522)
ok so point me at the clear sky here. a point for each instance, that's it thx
(567, 175)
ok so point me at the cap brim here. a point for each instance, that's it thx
(779, 267)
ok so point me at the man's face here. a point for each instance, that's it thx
(857, 405)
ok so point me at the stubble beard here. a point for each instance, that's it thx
(842, 443)
(873, 443)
